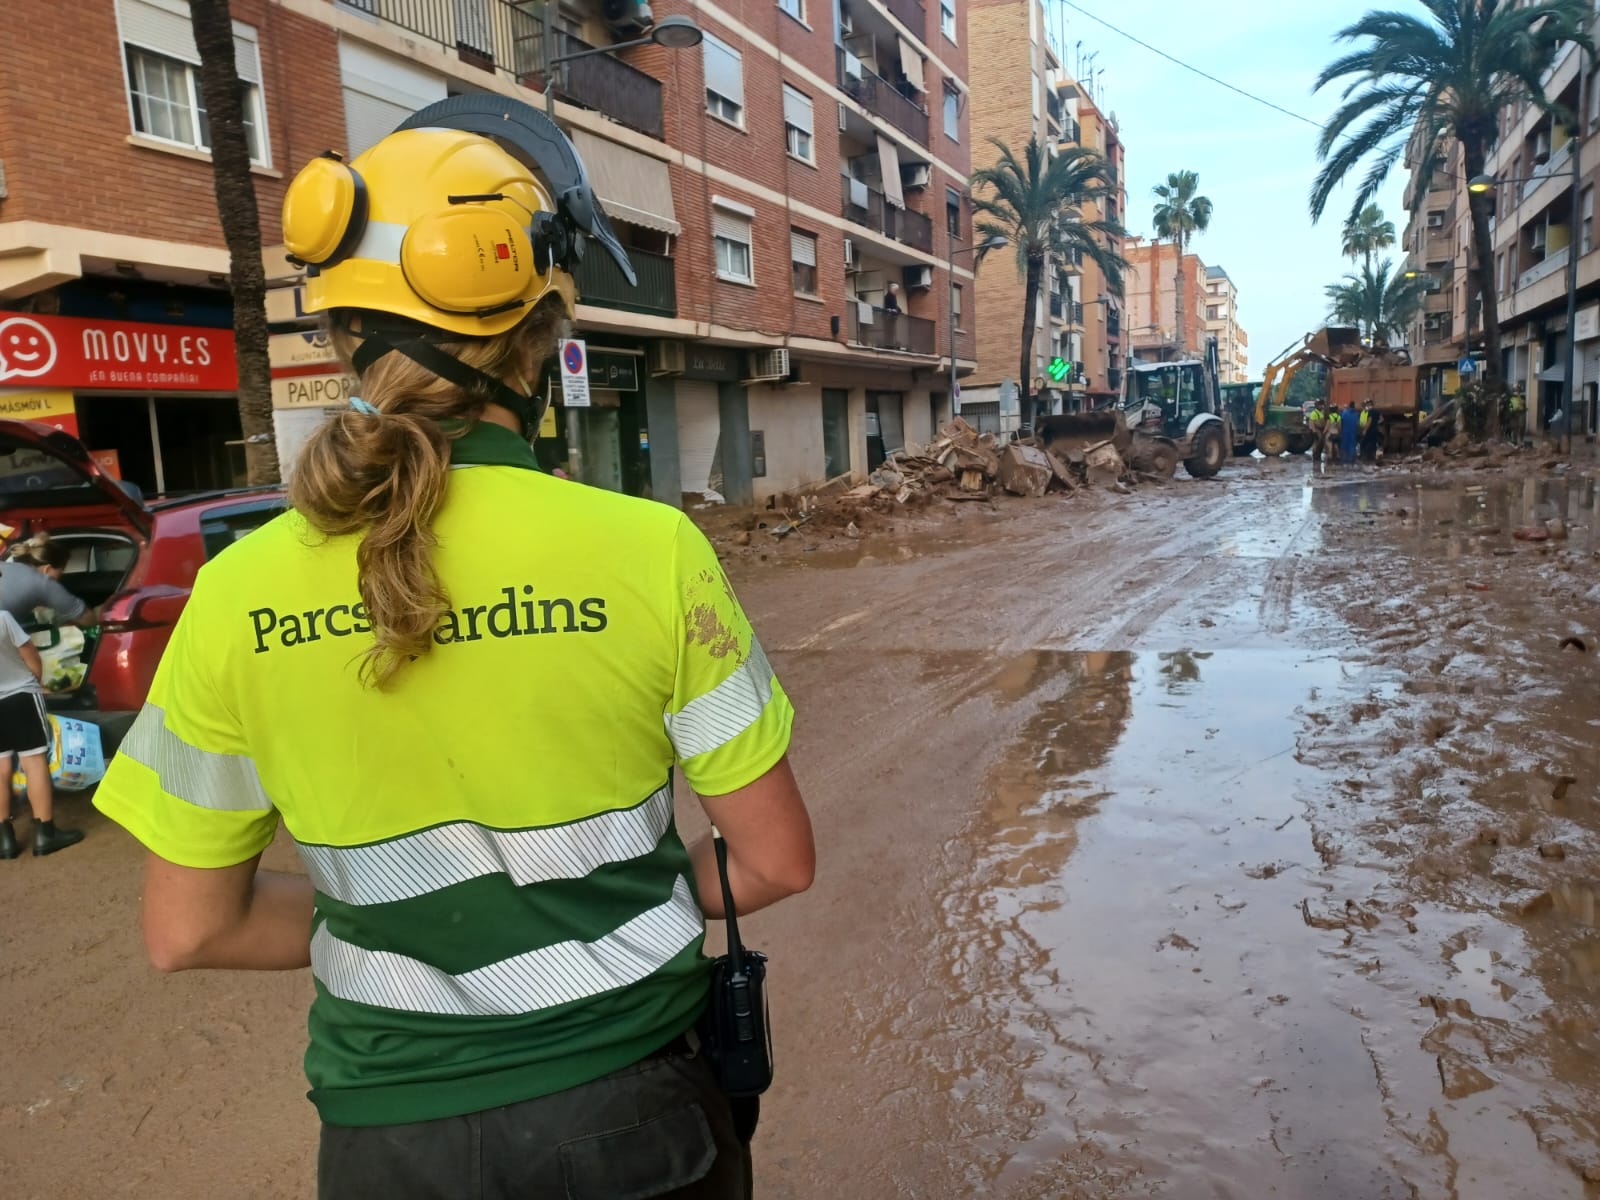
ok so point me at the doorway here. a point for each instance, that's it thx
(835, 432)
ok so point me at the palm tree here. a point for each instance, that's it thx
(1179, 214)
(1446, 76)
(223, 95)
(1030, 208)
(1367, 232)
(1380, 302)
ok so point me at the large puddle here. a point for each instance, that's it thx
(1162, 974)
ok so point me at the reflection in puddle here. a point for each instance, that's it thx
(1149, 983)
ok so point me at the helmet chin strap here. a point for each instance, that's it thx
(378, 342)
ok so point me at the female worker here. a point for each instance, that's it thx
(463, 685)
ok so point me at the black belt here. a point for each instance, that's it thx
(678, 1047)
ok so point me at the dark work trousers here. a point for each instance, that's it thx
(660, 1128)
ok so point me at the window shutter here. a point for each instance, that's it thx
(724, 70)
(911, 66)
(797, 108)
(246, 56)
(158, 27)
(802, 248)
(731, 225)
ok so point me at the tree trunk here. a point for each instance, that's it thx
(1177, 291)
(1480, 207)
(1030, 305)
(224, 96)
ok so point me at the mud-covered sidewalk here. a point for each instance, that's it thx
(1226, 839)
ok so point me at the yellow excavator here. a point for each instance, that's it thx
(1275, 425)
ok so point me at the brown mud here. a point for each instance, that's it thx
(1234, 839)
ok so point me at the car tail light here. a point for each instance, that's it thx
(146, 608)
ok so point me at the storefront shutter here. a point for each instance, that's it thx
(699, 427)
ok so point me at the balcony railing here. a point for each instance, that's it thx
(912, 15)
(600, 282)
(1075, 313)
(1113, 323)
(1543, 270)
(879, 96)
(1071, 132)
(507, 38)
(890, 331)
(1556, 164)
(1056, 305)
(904, 225)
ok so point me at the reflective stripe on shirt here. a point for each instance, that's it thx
(524, 983)
(204, 778)
(722, 714)
(418, 863)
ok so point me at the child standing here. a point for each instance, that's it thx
(25, 733)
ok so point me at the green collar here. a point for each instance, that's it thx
(486, 444)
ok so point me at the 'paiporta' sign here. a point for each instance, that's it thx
(312, 391)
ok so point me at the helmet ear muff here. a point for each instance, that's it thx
(469, 258)
(324, 211)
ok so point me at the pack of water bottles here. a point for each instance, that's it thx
(77, 761)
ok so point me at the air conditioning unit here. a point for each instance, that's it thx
(916, 175)
(1434, 321)
(666, 358)
(1541, 147)
(850, 260)
(630, 17)
(1436, 220)
(919, 277)
(768, 366)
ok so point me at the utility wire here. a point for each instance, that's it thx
(1187, 67)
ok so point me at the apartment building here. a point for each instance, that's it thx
(1222, 323)
(1152, 283)
(1089, 334)
(1012, 100)
(1438, 246)
(771, 185)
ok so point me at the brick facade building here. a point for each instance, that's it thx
(771, 185)
(1152, 307)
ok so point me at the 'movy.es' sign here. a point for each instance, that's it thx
(80, 352)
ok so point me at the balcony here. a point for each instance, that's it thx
(1075, 312)
(600, 282)
(1556, 164)
(879, 97)
(911, 14)
(1113, 323)
(1114, 379)
(1543, 270)
(1057, 307)
(905, 226)
(1071, 132)
(507, 38)
(890, 331)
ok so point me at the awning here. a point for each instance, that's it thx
(889, 162)
(633, 187)
(1555, 374)
(911, 66)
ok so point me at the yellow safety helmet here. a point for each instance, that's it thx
(447, 222)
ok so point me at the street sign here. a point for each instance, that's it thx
(574, 373)
(1467, 366)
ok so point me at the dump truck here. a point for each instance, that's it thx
(1394, 387)
(1169, 413)
(1277, 425)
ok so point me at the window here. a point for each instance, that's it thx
(730, 230)
(803, 254)
(1500, 272)
(952, 214)
(797, 116)
(795, 8)
(164, 93)
(955, 302)
(724, 80)
(952, 114)
(1586, 240)
(947, 18)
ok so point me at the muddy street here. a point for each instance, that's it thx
(1222, 840)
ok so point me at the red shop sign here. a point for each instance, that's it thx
(74, 352)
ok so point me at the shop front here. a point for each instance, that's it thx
(157, 402)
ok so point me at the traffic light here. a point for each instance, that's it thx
(1059, 368)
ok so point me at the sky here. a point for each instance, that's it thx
(1255, 164)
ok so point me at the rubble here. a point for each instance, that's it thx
(1025, 470)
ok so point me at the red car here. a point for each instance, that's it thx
(133, 558)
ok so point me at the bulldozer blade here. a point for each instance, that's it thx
(1077, 432)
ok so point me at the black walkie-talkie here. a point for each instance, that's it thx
(734, 1029)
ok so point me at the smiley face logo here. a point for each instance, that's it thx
(26, 349)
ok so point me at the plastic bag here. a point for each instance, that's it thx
(77, 760)
(61, 649)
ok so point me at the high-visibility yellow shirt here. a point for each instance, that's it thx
(1366, 420)
(1317, 416)
(504, 908)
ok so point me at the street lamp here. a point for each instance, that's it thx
(675, 33)
(1480, 185)
(994, 241)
